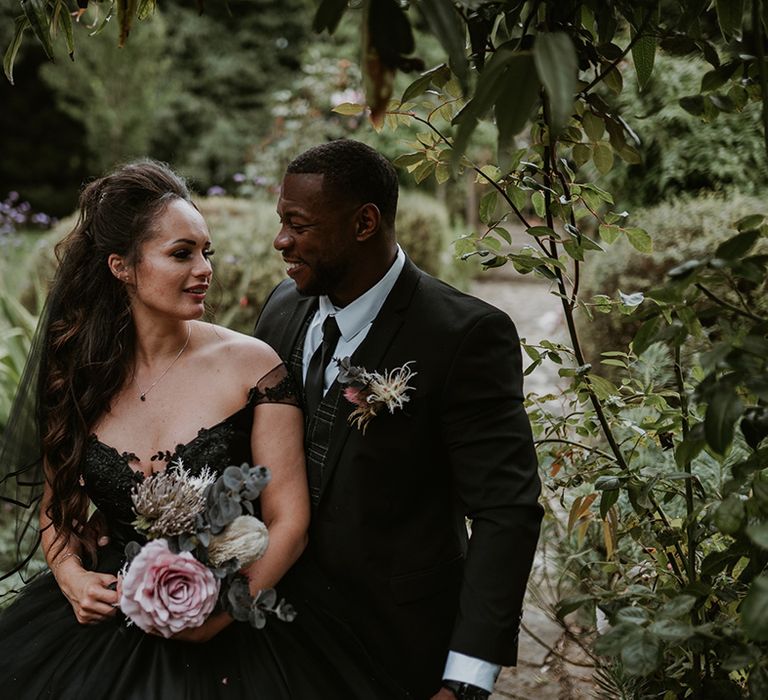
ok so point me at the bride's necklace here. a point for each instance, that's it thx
(143, 394)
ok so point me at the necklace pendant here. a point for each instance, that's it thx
(143, 397)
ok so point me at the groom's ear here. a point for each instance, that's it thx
(368, 221)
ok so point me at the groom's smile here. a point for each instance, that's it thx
(317, 239)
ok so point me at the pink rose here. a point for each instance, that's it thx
(166, 592)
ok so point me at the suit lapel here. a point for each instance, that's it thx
(305, 307)
(370, 354)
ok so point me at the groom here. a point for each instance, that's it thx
(439, 610)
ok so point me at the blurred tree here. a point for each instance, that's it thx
(112, 99)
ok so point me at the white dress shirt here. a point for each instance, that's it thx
(354, 321)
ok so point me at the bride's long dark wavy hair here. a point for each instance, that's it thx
(90, 338)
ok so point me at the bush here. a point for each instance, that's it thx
(680, 152)
(685, 229)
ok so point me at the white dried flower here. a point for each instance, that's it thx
(245, 539)
(168, 503)
(371, 391)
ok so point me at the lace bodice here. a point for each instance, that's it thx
(109, 478)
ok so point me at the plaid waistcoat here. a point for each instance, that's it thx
(317, 428)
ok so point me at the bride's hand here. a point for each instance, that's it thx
(88, 592)
(208, 630)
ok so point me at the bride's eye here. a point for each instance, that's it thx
(181, 254)
(208, 252)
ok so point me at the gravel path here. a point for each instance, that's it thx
(540, 673)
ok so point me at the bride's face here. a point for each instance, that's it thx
(174, 271)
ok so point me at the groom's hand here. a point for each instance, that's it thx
(444, 694)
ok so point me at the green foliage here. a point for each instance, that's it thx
(682, 153)
(687, 229)
(116, 101)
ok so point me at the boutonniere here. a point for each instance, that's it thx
(370, 392)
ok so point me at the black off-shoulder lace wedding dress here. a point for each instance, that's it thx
(46, 653)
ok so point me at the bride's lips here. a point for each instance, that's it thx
(198, 291)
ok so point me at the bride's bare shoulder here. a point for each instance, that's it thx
(238, 350)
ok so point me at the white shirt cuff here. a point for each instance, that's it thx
(468, 669)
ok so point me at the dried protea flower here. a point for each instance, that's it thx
(245, 539)
(167, 504)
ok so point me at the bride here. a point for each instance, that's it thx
(128, 382)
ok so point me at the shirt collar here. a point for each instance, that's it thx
(355, 316)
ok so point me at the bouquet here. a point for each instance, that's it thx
(201, 532)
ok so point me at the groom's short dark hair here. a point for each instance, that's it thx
(353, 171)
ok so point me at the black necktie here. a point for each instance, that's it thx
(313, 388)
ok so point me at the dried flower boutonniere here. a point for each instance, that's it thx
(370, 391)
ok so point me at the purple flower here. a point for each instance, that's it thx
(216, 191)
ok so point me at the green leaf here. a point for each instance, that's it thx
(632, 614)
(602, 155)
(448, 26)
(643, 55)
(581, 153)
(729, 16)
(750, 221)
(407, 159)
(569, 605)
(146, 9)
(607, 499)
(758, 533)
(520, 91)
(539, 204)
(537, 231)
(557, 66)
(639, 239)
(678, 606)
(723, 410)
(349, 109)
(646, 335)
(612, 642)
(641, 653)
(22, 24)
(489, 87)
(488, 206)
(422, 83)
(328, 15)
(519, 197)
(737, 246)
(754, 610)
(716, 78)
(35, 10)
(730, 515)
(607, 483)
(672, 630)
(593, 125)
(693, 104)
(687, 451)
(66, 19)
(609, 233)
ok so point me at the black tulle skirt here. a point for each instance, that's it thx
(46, 653)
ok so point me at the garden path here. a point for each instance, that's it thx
(542, 672)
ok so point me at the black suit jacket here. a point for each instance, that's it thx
(389, 529)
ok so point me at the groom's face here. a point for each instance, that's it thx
(317, 238)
